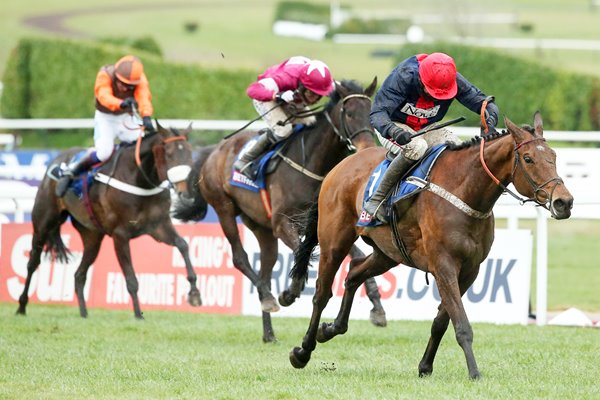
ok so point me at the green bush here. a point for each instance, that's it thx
(372, 26)
(55, 79)
(567, 101)
(145, 43)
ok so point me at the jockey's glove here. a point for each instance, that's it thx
(147, 122)
(128, 104)
(285, 97)
(491, 124)
(400, 136)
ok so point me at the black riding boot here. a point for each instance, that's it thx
(398, 167)
(263, 144)
(72, 171)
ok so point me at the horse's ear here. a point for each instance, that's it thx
(538, 124)
(369, 91)
(186, 131)
(159, 126)
(341, 90)
(514, 130)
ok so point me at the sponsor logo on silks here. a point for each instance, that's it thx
(238, 177)
(411, 109)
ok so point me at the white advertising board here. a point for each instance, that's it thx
(499, 295)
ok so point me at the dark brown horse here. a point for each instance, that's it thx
(447, 231)
(137, 204)
(290, 188)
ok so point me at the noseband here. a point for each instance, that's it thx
(541, 196)
(344, 132)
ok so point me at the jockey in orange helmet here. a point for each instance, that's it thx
(298, 81)
(119, 88)
(417, 93)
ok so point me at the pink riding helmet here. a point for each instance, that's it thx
(316, 77)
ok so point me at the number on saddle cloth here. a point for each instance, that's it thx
(402, 189)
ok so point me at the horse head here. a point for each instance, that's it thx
(173, 156)
(534, 171)
(348, 113)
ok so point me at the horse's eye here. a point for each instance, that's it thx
(528, 159)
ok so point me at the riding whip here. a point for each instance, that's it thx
(438, 125)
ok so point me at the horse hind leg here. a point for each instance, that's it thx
(167, 234)
(377, 314)
(46, 232)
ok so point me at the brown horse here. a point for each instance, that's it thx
(135, 205)
(308, 156)
(447, 231)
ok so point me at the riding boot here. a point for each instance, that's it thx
(396, 170)
(263, 144)
(73, 170)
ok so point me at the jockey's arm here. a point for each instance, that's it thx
(472, 98)
(144, 97)
(104, 92)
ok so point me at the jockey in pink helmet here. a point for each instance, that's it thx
(281, 91)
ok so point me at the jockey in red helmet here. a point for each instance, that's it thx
(119, 88)
(293, 85)
(417, 93)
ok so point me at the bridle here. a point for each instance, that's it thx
(138, 159)
(541, 196)
(344, 132)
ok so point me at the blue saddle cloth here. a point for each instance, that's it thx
(403, 189)
(258, 167)
(77, 183)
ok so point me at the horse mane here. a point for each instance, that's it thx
(474, 141)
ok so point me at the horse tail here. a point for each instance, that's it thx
(55, 246)
(194, 207)
(303, 255)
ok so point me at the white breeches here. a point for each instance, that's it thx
(419, 145)
(108, 127)
(277, 114)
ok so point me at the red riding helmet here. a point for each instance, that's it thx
(129, 70)
(316, 77)
(438, 74)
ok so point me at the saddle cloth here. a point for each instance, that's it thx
(55, 171)
(402, 189)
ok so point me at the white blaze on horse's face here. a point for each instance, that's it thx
(178, 173)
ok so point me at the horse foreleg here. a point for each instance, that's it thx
(377, 315)
(167, 234)
(241, 262)
(91, 246)
(329, 263)
(451, 292)
(438, 329)
(123, 252)
(360, 270)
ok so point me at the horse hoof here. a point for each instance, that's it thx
(425, 371)
(297, 359)
(286, 299)
(378, 318)
(194, 299)
(269, 339)
(475, 376)
(270, 305)
(20, 311)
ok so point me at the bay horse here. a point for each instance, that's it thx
(308, 156)
(447, 231)
(134, 199)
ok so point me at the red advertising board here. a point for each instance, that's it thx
(159, 268)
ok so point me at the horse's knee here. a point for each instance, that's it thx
(464, 335)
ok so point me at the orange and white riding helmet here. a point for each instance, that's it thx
(438, 74)
(129, 70)
(316, 77)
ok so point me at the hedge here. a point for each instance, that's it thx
(55, 79)
(567, 101)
